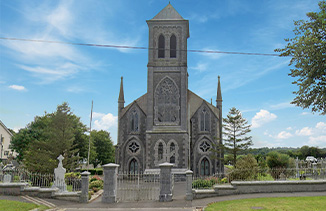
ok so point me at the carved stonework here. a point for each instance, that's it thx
(167, 107)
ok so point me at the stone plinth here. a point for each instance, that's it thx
(110, 183)
(189, 195)
(165, 182)
(84, 187)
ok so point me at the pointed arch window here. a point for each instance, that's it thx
(204, 120)
(173, 46)
(160, 151)
(172, 159)
(204, 167)
(167, 103)
(134, 121)
(133, 166)
(161, 46)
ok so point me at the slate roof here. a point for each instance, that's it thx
(168, 13)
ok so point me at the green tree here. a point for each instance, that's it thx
(103, 146)
(245, 169)
(308, 52)
(236, 127)
(48, 136)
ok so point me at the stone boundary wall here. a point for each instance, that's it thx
(247, 187)
(17, 189)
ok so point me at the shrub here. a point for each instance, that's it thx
(205, 183)
(97, 184)
(245, 169)
(94, 178)
(278, 163)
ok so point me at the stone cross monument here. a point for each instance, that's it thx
(59, 173)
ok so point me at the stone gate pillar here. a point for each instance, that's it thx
(165, 182)
(110, 183)
(189, 196)
(84, 187)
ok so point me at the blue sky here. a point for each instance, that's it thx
(36, 77)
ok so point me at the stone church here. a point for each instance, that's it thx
(169, 123)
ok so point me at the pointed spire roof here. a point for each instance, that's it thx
(168, 13)
(121, 94)
(219, 93)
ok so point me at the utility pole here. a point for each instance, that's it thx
(89, 142)
(1, 140)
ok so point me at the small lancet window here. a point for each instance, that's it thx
(161, 46)
(160, 151)
(172, 159)
(173, 46)
(172, 147)
(204, 120)
(134, 121)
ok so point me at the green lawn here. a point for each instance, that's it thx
(7, 205)
(282, 203)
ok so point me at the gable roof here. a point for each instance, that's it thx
(168, 13)
(141, 102)
(194, 102)
(6, 129)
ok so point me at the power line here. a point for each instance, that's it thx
(137, 48)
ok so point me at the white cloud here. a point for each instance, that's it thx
(304, 113)
(18, 87)
(261, 118)
(104, 121)
(200, 67)
(321, 127)
(317, 141)
(289, 128)
(282, 106)
(306, 131)
(60, 19)
(284, 135)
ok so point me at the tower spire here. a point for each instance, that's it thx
(121, 94)
(219, 94)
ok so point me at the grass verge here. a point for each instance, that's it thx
(7, 205)
(279, 203)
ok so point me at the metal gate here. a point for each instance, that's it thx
(138, 187)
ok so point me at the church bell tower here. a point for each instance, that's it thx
(167, 86)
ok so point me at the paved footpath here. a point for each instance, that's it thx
(175, 205)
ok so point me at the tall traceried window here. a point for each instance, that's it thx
(204, 167)
(134, 121)
(166, 103)
(133, 166)
(204, 120)
(160, 151)
(173, 46)
(161, 46)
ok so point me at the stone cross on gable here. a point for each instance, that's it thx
(60, 158)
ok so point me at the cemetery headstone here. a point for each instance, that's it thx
(59, 174)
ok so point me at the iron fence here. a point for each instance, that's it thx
(34, 179)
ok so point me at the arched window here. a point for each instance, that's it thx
(173, 46)
(161, 46)
(160, 151)
(167, 103)
(172, 147)
(204, 167)
(172, 159)
(133, 166)
(204, 120)
(134, 121)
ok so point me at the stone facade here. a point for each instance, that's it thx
(169, 123)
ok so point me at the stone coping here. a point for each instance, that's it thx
(203, 191)
(173, 170)
(67, 194)
(45, 190)
(224, 187)
(280, 182)
(13, 184)
(31, 189)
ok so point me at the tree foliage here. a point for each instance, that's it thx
(104, 148)
(308, 52)
(48, 136)
(246, 168)
(235, 129)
